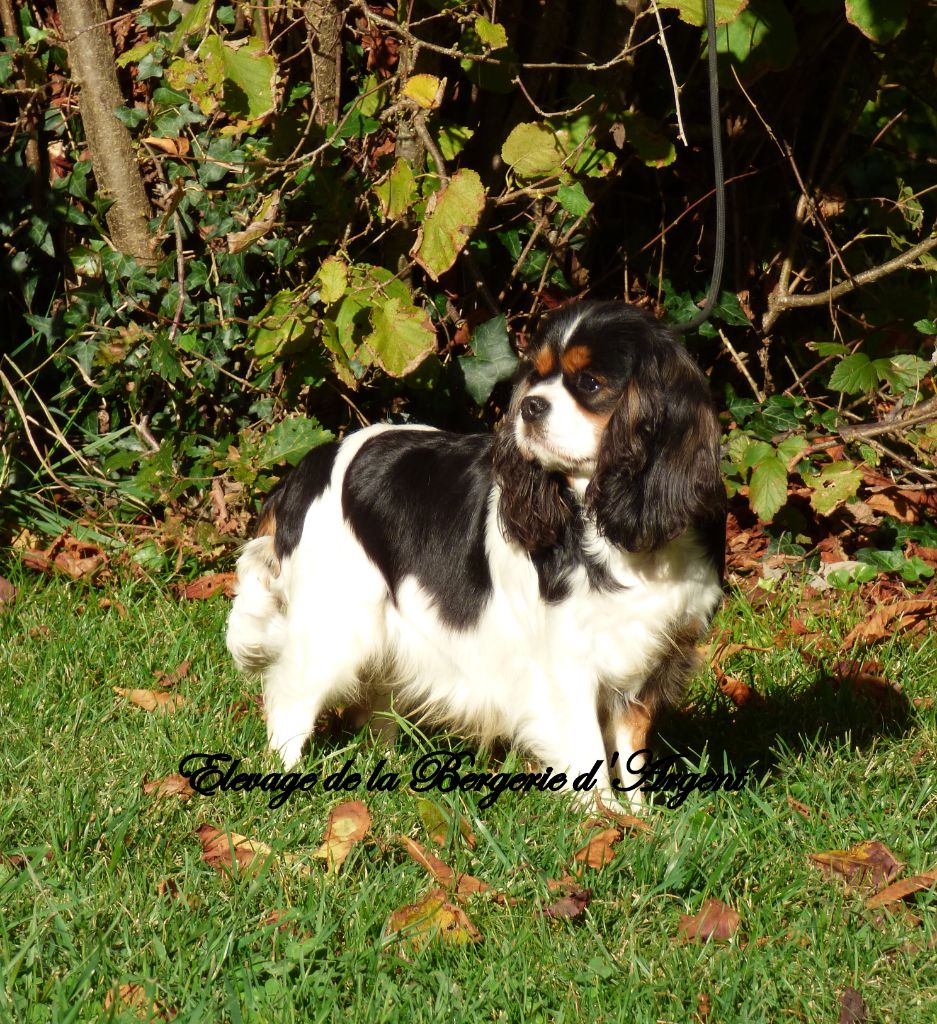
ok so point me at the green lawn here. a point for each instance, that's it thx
(94, 915)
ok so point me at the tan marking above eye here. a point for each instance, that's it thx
(545, 362)
(576, 359)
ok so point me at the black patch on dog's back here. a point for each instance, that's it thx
(417, 501)
(289, 501)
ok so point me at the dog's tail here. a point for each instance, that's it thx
(257, 624)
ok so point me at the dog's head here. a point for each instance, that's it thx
(610, 405)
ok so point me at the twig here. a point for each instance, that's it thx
(743, 369)
(673, 75)
(29, 434)
(926, 412)
(781, 302)
(145, 434)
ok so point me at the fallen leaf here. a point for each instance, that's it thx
(207, 586)
(134, 997)
(223, 850)
(7, 592)
(703, 1007)
(621, 819)
(738, 692)
(432, 917)
(463, 884)
(867, 863)
(802, 809)
(171, 785)
(177, 146)
(902, 889)
(598, 851)
(170, 887)
(570, 905)
(438, 822)
(348, 823)
(914, 614)
(852, 1008)
(169, 679)
(153, 700)
(715, 920)
(109, 602)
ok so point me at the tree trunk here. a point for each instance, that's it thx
(113, 159)
(325, 21)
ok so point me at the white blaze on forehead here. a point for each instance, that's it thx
(565, 435)
(570, 329)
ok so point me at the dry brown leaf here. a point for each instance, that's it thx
(704, 1008)
(348, 823)
(852, 1008)
(134, 997)
(153, 700)
(223, 850)
(178, 146)
(207, 586)
(894, 503)
(868, 863)
(170, 887)
(802, 809)
(169, 679)
(598, 851)
(570, 905)
(110, 602)
(738, 692)
(7, 592)
(715, 920)
(463, 884)
(171, 785)
(621, 819)
(432, 917)
(902, 889)
(914, 614)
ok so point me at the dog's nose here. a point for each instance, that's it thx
(533, 408)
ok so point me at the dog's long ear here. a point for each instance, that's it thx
(658, 466)
(532, 509)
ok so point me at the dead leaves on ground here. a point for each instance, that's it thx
(912, 615)
(348, 823)
(133, 997)
(714, 921)
(152, 700)
(429, 918)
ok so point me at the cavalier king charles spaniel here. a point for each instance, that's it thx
(546, 586)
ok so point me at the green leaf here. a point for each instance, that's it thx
(194, 21)
(533, 151)
(129, 116)
(854, 374)
(829, 348)
(201, 79)
(878, 20)
(762, 38)
(834, 485)
(249, 76)
(451, 216)
(291, 439)
(902, 371)
(573, 199)
(401, 337)
(693, 12)
(452, 139)
(333, 279)
(646, 138)
(283, 326)
(755, 453)
(791, 447)
(767, 491)
(729, 310)
(493, 359)
(136, 53)
(492, 34)
(399, 192)
(926, 326)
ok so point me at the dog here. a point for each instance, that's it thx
(546, 586)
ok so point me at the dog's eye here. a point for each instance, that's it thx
(586, 382)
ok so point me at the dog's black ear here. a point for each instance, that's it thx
(532, 509)
(657, 471)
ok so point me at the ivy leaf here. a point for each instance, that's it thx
(854, 374)
(573, 199)
(533, 151)
(451, 216)
(834, 485)
(493, 359)
(291, 439)
(693, 12)
(878, 20)
(249, 76)
(333, 279)
(767, 491)
(283, 324)
(401, 337)
(398, 192)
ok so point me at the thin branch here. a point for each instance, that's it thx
(776, 304)
(673, 75)
(743, 369)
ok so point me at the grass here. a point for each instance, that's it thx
(92, 917)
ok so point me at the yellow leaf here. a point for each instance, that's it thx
(425, 90)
